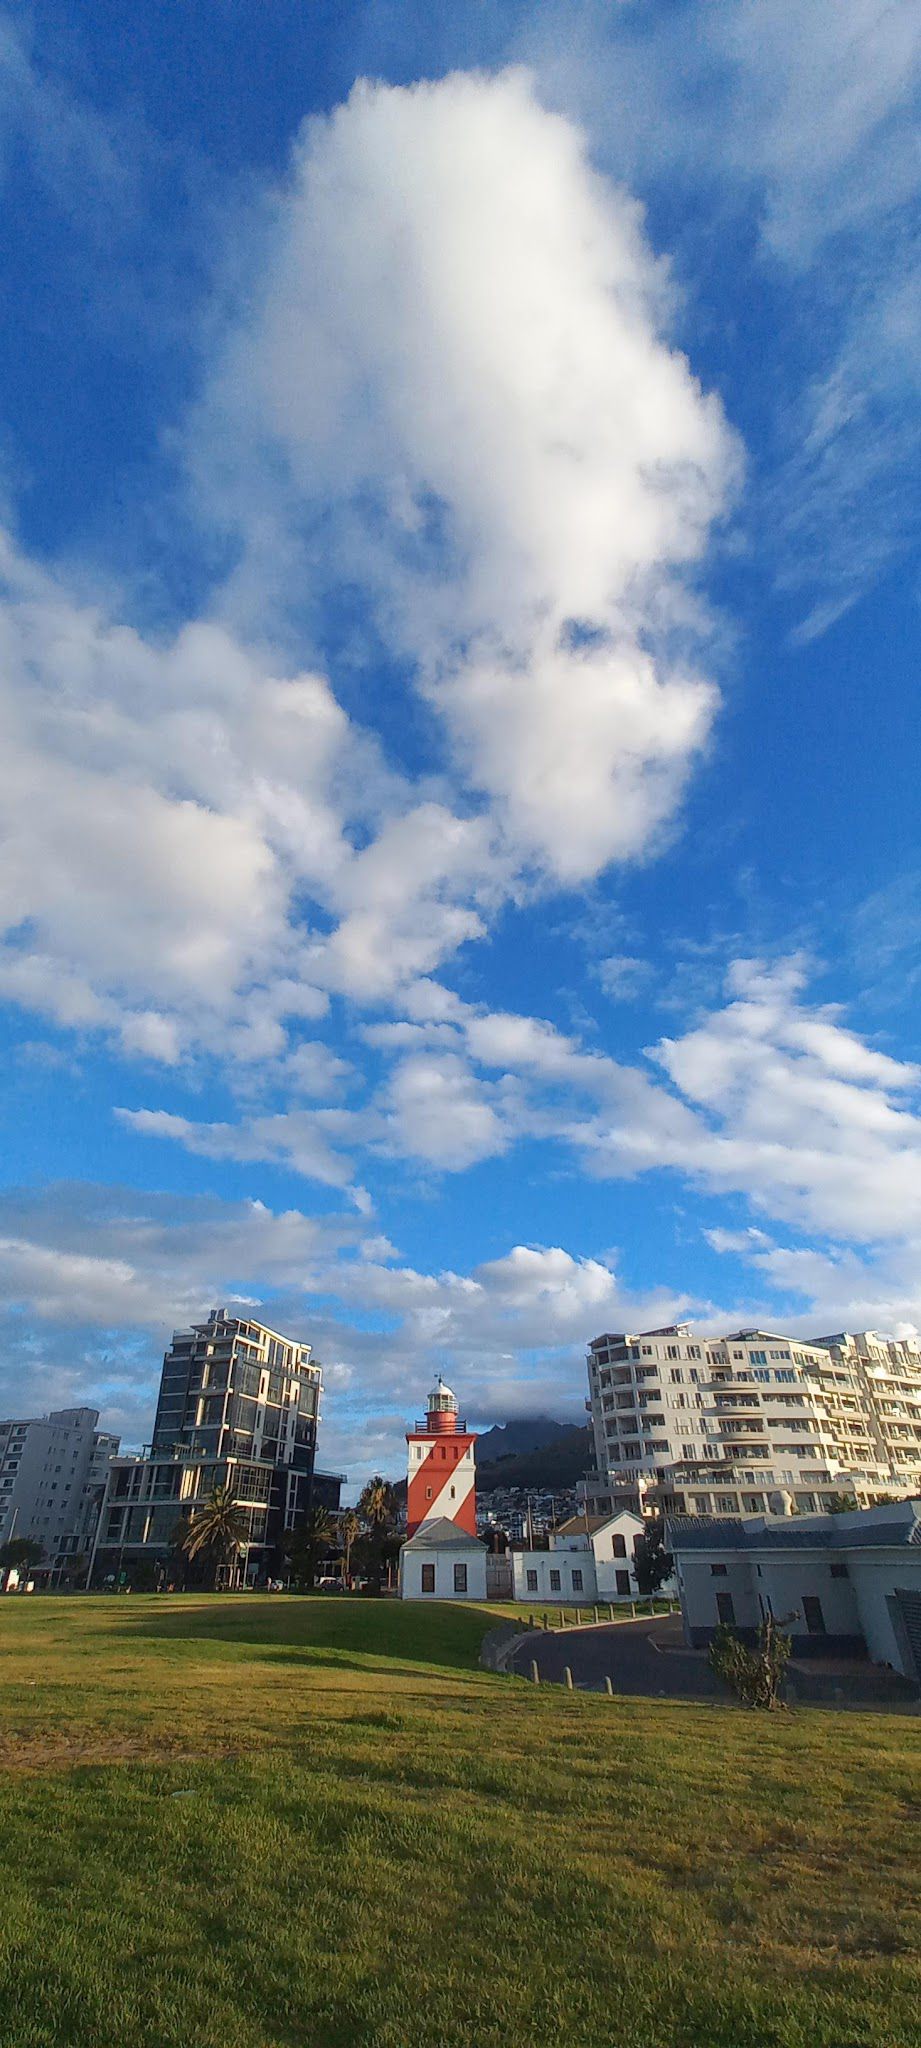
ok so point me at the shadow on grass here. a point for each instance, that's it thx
(281, 1629)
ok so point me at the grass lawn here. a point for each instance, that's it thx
(249, 1822)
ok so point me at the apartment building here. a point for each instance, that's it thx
(750, 1423)
(238, 1408)
(53, 1473)
(885, 1374)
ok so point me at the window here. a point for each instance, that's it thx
(452, 1493)
(718, 1571)
(460, 1578)
(577, 1582)
(839, 1571)
(428, 1578)
(618, 1546)
(622, 1581)
(555, 1582)
(531, 1581)
(428, 1493)
(725, 1608)
(813, 1616)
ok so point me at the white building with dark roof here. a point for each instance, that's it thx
(840, 1585)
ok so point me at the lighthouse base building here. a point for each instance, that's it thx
(441, 1562)
(442, 1558)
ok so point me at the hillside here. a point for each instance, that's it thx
(548, 1467)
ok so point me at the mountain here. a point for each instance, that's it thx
(512, 1439)
(547, 1465)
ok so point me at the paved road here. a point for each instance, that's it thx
(643, 1657)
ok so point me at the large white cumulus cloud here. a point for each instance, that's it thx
(459, 348)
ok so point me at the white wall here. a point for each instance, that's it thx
(549, 1566)
(874, 1577)
(412, 1559)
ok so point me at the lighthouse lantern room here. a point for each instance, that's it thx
(441, 1474)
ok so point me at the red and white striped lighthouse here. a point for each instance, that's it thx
(441, 1475)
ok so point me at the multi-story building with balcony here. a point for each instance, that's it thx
(53, 1472)
(238, 1409)
(750, 1423)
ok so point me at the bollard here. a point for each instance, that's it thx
(567, 1677)
(609, 1688)
(595, 1615)
(633, 1610)
(535, 1674)
(610, 1610)
(546, 1619)
(562, 1619)
(578, 1617)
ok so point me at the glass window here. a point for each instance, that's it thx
(428, 1578)
(460, 1578)
(555, 1582)
(725, 1608)
(618, 1546)
(577, 1582)
(622, 1581)
(531, 1581)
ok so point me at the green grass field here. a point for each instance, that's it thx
(286, 1823)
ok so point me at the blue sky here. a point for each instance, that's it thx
(458, 652)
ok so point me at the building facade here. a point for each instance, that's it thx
(751, 1423)
(442, 1558)
(238, 1409)
(53, 1473)
(441, 1472)
(839, 1585)
(587, 1559)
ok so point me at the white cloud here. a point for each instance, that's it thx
(460, 350)
(440, 1114)
(293, 1139)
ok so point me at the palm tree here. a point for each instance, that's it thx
(377, 1503)
(218, 1530)
(349, 1529)
(377, 1507)
(307, 1542)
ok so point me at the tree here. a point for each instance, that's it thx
(377, 1509)
(349, 1530)
(840, 1504)
(20, 1553)
(306, 1543)
(216, 1533)
(652, 1563)
(754, 1675)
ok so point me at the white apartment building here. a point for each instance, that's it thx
(885, 1373)
(750, 1423)
(53, 1472)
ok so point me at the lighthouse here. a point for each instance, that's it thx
(441, 1475)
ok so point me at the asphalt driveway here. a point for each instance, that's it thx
(643, 1657)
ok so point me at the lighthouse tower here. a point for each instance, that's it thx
(441, 1475)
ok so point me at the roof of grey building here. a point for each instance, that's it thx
(441, 1534)
(863, 1528)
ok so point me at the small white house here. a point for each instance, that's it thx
(590, 1558)
(841, 1584)
(442, 1562)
